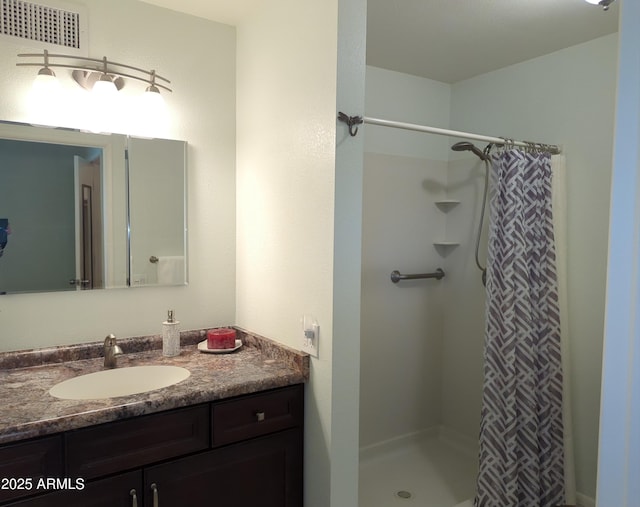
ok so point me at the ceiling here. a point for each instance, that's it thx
(451, 40)
(229, 12)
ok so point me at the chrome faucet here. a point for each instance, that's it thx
(111, 351)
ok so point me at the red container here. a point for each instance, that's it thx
(223, 338)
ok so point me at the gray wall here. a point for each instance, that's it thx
(37, 196)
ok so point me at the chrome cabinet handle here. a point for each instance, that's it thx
(260, 416)
(134, 500)
(154, 488)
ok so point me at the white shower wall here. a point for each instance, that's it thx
(432, 332)
(401, 325)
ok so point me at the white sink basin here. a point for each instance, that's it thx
(119, 382)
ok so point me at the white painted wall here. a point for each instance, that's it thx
(347, 251)
(295, 214)
(395, 96)
(401, 327)
(619, 448)
(568, 98)
(285, 180)
(201, 65)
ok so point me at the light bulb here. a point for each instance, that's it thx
(593, 2)
(152, 113)
(152, 99)
(44, 100)
(105, 108)
(104, 88)
(45, 82)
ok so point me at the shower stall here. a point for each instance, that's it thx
(523, 390)
(422, 340)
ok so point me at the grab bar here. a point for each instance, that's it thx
(396, 276)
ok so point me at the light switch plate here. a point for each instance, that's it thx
(310, 336)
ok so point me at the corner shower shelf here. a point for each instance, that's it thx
(445, 205)
(444, 247)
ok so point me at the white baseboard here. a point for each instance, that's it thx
(384, 446)
(452, 437)
(585, 501)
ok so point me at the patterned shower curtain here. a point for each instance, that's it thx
(521, 433)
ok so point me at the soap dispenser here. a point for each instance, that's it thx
(170, 336)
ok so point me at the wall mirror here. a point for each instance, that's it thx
(81, 211)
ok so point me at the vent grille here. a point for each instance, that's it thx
(40, 23)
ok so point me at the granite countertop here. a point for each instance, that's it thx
(28, 410)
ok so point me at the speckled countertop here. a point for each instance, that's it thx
(28, 410)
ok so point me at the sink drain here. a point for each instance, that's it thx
(405, 495)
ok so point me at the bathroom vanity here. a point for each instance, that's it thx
(229, 435)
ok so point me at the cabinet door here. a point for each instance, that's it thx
(117, 491)
(265, 472)
(33, 460)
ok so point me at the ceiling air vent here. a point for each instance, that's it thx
(45, 24)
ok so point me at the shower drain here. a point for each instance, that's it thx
(404, 495)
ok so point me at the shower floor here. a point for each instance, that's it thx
(432, 471)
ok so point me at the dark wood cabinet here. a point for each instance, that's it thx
(23, 464)
(233, 453)
(118, 491)
(265, 471)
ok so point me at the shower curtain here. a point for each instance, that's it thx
(521, 430)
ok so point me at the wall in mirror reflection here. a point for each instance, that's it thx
(89, 211)
(158, 212)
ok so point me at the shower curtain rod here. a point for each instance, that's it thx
(354, 121)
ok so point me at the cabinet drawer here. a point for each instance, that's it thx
(257, 414)
(123, 445)
(35, 459)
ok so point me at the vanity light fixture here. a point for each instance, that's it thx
(46, 78)
(152, 95)
(102, 76)
(604, 3)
